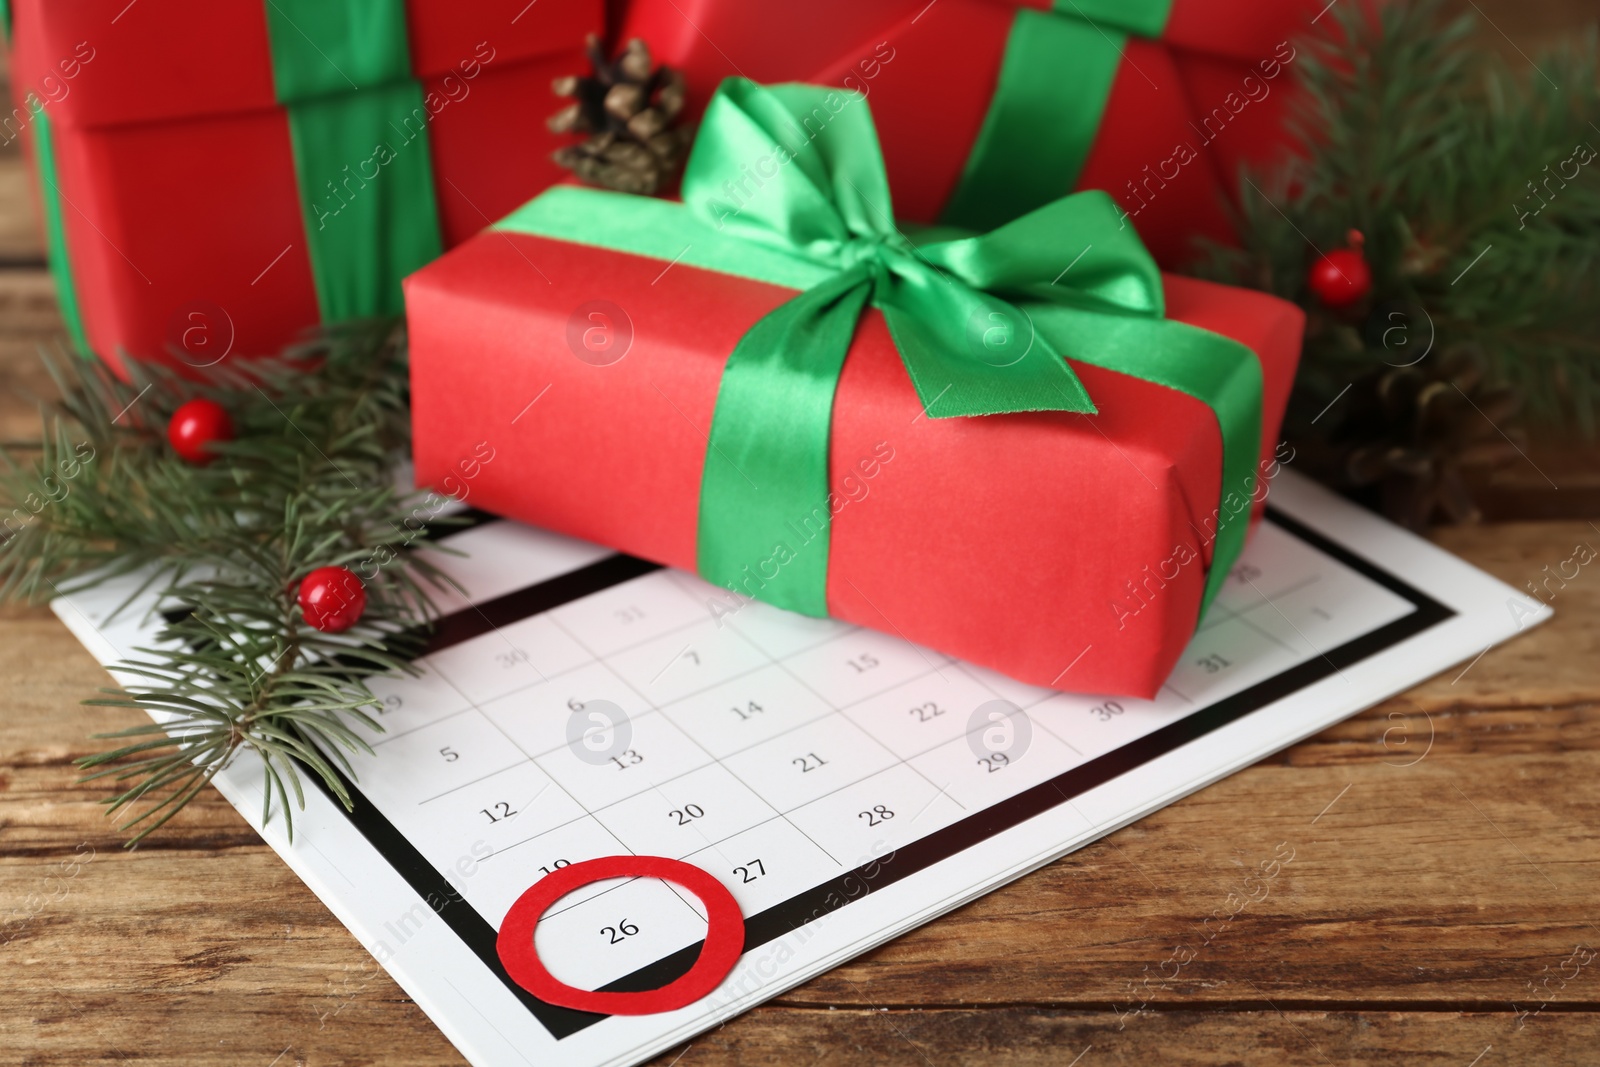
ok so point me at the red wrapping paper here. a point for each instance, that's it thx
(1241, 116)
(176, 170)
(930, 97)
(709, 40)
(930, 111)
(1245, 30)
(187, 58)
(1233, 77)
(1008, 540)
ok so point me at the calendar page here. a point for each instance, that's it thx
(844, 784)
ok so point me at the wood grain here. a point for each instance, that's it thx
(21, 237)
(1443, 863)
(1423, 896)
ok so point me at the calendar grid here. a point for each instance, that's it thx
(907, 759)
(664, 781)
(1044, 725)
(655, 785)
(682, 581)
(933, 669)
(388, 737)
(463, 785)
(838, 710)
(557, 675)
(811, 662)
(834, 709)
(807, 728)
(714, 844)
(598, 814)
(473, 707)
(1244, 617)
(557, 910)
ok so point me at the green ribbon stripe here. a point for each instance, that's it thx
(44, 150)
(1143, 18)
(1051, 94)
(332, 47)
(363, 163)
(957, 305)
(50, 199)
(361, 149)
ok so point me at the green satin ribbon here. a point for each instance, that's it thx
(1051, 93)
(50, 200)
(786, 185)
(1144, 18)
(333, 47)
(55, 232)
(342, 70)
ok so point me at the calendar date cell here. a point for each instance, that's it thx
(803, 764)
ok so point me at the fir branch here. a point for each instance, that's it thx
(1437, 151)
(307, 482)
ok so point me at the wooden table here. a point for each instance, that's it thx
(1439, 909)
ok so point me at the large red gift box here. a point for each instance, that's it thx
(1067, 550)
(1094, 106)
(1156, 102)
(709, 40)
(1235, 60)
(218, 175)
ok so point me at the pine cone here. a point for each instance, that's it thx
(629, 108)
(1402, 438)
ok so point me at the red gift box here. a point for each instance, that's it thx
(1185, 107)
(1180, 114)
(218, 175)
(1235, 61)
(1246, 30)
(709, 40)
(1065, 550)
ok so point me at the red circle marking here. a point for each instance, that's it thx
(723, 945)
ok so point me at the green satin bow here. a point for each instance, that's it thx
(965, 346)
(786, 184)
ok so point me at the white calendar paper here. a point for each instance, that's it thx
(844, 785)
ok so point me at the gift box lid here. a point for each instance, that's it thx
(164, 59)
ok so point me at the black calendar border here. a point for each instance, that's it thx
(780, 919)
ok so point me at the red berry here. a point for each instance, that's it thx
(1340, 278)
(195, 426)
(332, 599)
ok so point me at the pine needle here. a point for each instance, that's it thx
(1466, 178)
(307, 482)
